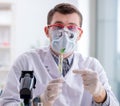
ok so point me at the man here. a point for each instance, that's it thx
(81, 81)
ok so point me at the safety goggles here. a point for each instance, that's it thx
(73, 28)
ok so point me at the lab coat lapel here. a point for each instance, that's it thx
(72, 87)
(70, 76)
(51, 66)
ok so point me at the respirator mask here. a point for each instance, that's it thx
(63, 40)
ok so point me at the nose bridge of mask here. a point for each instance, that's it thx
(65, 29)
(66, 40)
(66, 35)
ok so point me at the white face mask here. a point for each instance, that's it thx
(63, 40)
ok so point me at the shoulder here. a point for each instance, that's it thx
(85, 58)
(87, 61)
(34, 54)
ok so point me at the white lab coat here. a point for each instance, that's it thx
(45, 69)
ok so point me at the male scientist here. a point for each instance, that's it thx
(63, 76)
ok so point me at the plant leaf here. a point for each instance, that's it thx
(62, 50)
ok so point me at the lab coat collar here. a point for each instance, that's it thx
(70, 58)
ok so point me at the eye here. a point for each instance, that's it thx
(72, 27)
(58, 27)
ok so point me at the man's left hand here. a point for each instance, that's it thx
(91, 82)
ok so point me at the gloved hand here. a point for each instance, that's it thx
(90, 81)
(53, 89)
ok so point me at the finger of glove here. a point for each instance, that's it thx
(94, 88)
(90, 76)
(53, 89)
(58, 80)
(90, 86)
(53, 86)
(90, 82)
(54, 93)
(52, 98)
(83, 71)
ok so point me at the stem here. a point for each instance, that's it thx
(60, 63)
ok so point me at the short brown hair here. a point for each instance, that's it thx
(63, 8)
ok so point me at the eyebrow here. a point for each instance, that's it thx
(59, 22)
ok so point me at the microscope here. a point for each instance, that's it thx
(27, 83)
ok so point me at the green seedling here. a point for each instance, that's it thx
(60, 65)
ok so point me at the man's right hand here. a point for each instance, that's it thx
(53, 89)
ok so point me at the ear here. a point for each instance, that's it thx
(80, 34)
(46, 30)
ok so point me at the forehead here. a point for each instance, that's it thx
(66, 18)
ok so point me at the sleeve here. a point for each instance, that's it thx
(10, 95)
(111, 99)
(106, 103)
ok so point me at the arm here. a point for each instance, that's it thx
(102, 96)
(96, 82)
(10, 94)
(110, 99)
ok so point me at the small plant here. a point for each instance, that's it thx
(60, 65)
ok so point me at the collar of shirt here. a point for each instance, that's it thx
(56, 58)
